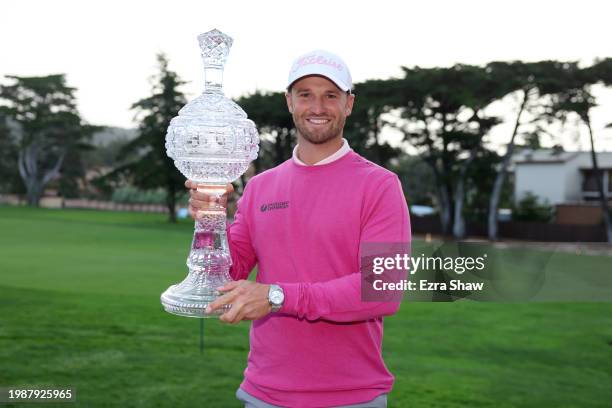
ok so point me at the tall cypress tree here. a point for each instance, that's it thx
(152, 168)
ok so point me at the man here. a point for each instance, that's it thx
(314, 343)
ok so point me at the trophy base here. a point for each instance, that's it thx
(190, 305)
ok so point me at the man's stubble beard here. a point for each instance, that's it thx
(333, 132)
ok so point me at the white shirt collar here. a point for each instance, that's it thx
(335, 156)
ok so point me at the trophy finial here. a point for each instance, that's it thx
(214, 46)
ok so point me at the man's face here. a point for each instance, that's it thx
(319, 108)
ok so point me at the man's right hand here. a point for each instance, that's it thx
(202, 198)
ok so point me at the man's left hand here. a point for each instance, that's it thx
(249, 301)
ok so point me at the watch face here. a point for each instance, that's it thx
(276, 297)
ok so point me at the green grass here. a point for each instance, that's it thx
(79, 306)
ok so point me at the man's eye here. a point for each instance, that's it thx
(332, 96)
(303, 95)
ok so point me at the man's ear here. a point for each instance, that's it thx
(349, 104)
(289, 101)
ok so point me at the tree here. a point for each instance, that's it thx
(531, 82)
(364, 126)
(481, 177)
(484, 88)
(152, 168)
(530, 208)
(9, 151)
(442, 115)
(47, 126)
(416, 178)
(411, 97)
(275, 125)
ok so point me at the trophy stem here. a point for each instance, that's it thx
(213, 79)
(209, 262)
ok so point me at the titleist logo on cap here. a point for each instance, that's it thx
(316, 59)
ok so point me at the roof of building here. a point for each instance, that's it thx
(544, 156)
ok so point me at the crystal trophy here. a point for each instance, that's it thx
(211, 142)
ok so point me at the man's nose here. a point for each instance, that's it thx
(317, 107)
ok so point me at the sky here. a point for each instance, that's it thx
(108, 48)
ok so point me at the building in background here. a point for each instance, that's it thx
(565, 180)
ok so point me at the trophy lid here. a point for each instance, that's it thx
(214, 47)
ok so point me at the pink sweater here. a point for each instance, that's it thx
(303, 226)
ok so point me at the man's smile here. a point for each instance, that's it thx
(317, 121)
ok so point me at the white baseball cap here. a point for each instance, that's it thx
(324, 63)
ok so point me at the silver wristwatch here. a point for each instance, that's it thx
(276, 297)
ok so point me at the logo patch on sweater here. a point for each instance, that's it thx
(279, 205)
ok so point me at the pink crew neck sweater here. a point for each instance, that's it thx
(303, 226)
